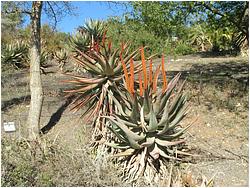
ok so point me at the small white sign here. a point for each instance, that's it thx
(9, 127)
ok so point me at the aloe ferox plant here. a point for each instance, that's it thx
(147, 129)
(104, 66)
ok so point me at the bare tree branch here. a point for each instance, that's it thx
(54, 15)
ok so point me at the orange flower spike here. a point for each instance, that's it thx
(125, 73)
(140, 84)
(150, 71)
(132, 76)
(164, 87)
(144, 68)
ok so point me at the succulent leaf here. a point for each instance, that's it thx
(153, 124)
(168, 143)
(127, 131)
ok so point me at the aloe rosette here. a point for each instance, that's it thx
(104, 66)
(147, 128)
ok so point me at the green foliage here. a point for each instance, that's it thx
(138, 35)
(51, 40)
(134, 32)
(158, 17)
(169, 19)
(10, 23)
(199, 37)
(183, 48)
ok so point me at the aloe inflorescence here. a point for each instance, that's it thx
(147, 128)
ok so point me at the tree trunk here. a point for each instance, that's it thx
(35, 76)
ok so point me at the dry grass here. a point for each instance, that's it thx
(48, 163)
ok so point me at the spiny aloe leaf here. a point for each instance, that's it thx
(178, 98)
(177, 119)
(129, 133)
(129, 124)
(163, 153)
(113, 57)
(85, 80)
(117, 145)
(153, 124)
(91, 67)
(130, 56)
(165, 114)
(165, 143)
(152, 56)
(174, 81)
(164, 99)
(91, 60)
(127, 152)
(84, 102)
(178, 108)
(135, 110)
(83, 88)
(143, 123)
(185, 153)
(127, 47)
(89, 109)
(149, 142)
(146, 102)
(133, 143)
(118, 133)
(178, 134)
(117, 103)
(100, 59)
(118, 69)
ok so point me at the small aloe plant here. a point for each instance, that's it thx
(16, 55)
(147, 128)
(61, 58)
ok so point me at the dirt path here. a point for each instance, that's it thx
(221, 135)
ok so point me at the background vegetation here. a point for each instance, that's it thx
(175, 28)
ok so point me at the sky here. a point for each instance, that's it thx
(86, 10)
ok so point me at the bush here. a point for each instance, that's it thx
(135, 33)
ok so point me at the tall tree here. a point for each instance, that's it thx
(34, 10)
(10, 23)
(166, 18)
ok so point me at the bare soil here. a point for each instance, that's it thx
(218, 91)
